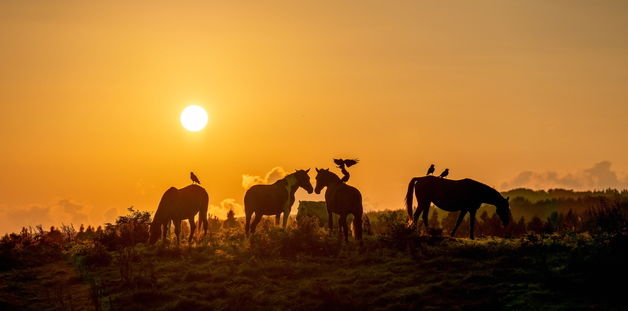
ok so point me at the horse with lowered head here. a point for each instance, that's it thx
(274, 199)
(176, 205)
(341, 199)
(465, 195)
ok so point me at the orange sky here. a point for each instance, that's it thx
(90, 96)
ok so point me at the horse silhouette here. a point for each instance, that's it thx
(466, 196)
(341, 199)
(274, 199)
(176, 205)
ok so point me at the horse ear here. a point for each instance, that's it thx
(307, 171)
(507, 198)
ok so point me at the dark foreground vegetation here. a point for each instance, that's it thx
(564, 263)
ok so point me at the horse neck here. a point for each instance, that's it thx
(291, 183)
(334, 180)
(490, 195)
(159, 217)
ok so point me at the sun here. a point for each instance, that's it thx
(194, 118)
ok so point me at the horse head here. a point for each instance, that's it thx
(303, 180)
(168, 201)
(503, 211)
(323, 178)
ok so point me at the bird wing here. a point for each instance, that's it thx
(351, 162)
(338, 161)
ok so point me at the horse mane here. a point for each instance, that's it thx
(333, 174)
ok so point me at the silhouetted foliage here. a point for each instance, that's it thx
(231, 221)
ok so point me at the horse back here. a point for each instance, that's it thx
(449, 194)
(267, 199)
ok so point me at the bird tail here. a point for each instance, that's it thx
(410, 196)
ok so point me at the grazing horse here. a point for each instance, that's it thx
(274, 199)
(341, 199)
(466, 196)
(176, 205)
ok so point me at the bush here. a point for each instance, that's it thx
(90, 253)
(307, 238)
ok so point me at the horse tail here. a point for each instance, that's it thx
(410, 195)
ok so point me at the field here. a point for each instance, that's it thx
(307, 268)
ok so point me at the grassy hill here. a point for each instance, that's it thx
(307, 268)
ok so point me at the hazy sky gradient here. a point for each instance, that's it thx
(90, 95)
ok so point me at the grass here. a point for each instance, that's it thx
(306, 268)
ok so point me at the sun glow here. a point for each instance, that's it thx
(194, 118)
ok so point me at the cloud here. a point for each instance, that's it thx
(600, 176)
(33, 215)
(73, 211)
(225, 206)
(66, 211)
(273, 175)
(110, 215)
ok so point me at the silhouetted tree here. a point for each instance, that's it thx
(434, 222)
(536, 225)
(231, 222)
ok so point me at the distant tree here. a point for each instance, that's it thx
(214, 223)
(434, 222)
(231, 222)
(366, 225)
(536, 225)
(449, 221)
(570, 222)
(553, 223)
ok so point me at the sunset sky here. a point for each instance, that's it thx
(511, 93)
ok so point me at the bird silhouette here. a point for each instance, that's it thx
(347, 162)
(444, 173)
(194, 178)
(341, 165)
(430, 170)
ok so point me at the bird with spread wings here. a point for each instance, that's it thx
(342, 163)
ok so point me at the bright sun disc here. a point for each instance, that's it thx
(194, 118)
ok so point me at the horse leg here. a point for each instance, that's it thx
(256, 221)
(247, 223)
(426, 212)
(460, 218)
(423, 205)
(342, 223)
(277, 217)
(330, 220)
(177, 229)
(472, 223)
(203, 221)
(192, 229)
(286, 214)
(357, 226)
(166, 228)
